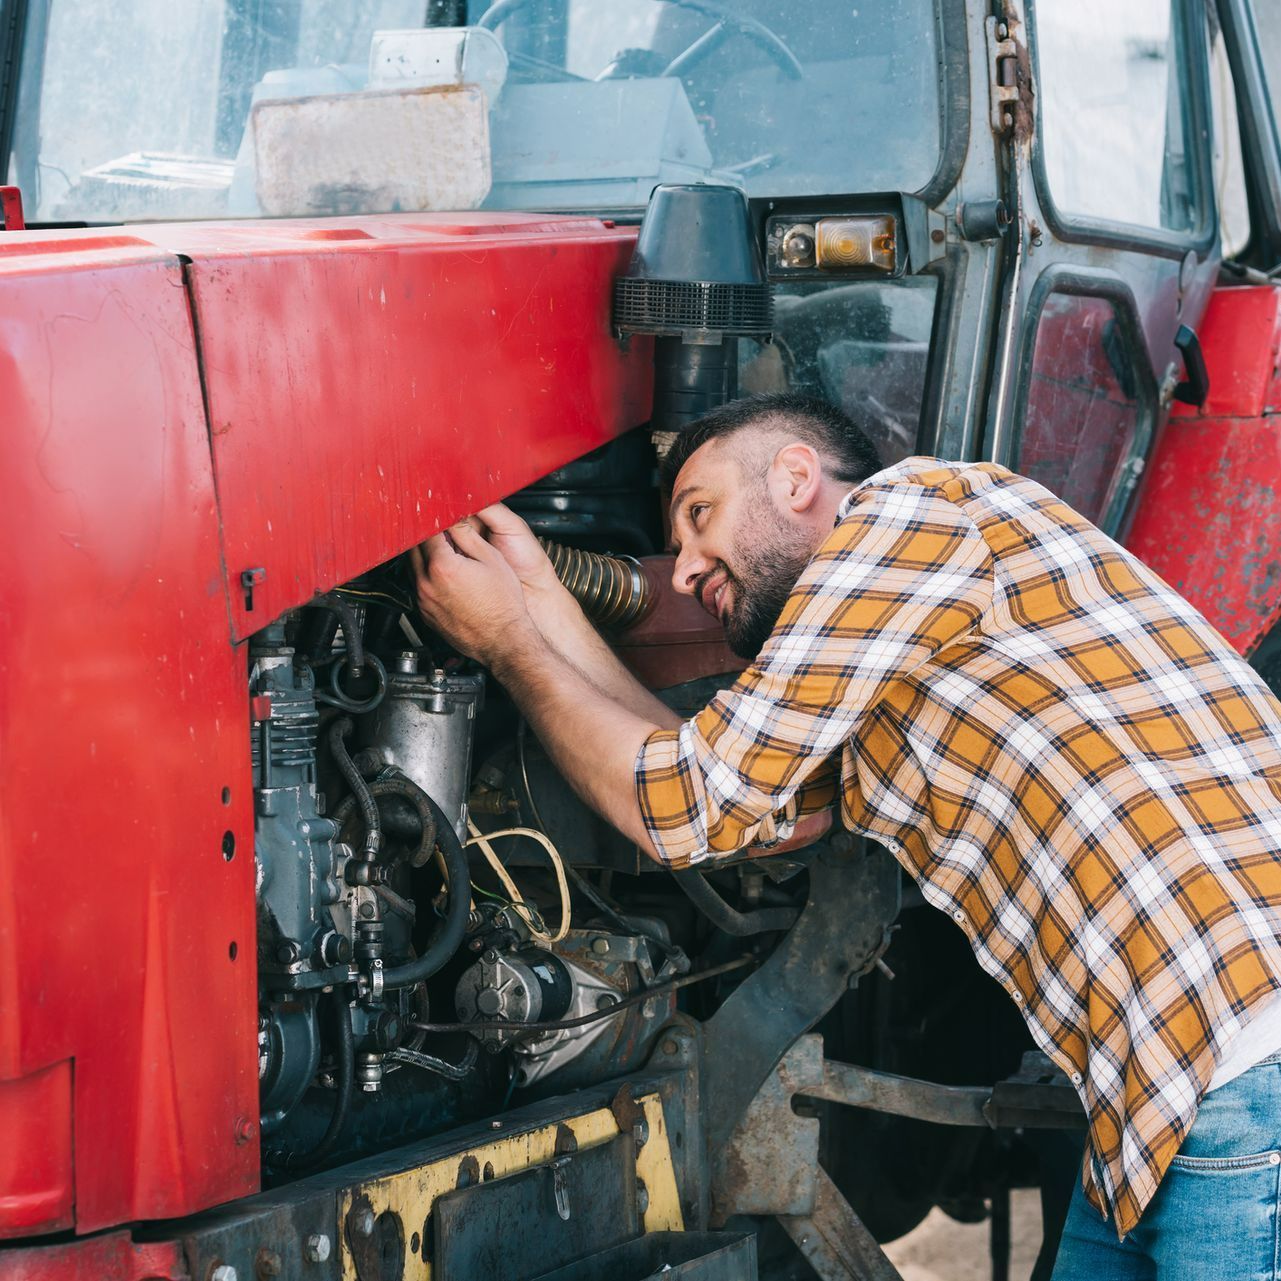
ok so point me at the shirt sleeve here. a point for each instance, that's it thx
(903, 575)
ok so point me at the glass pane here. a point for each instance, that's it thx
(1229, 165)
(143, 108)
(864, 347)
(1082, 410)
(1111, 102)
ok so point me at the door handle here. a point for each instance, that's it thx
(1194, 389)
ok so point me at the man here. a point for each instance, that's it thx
(1071, 762)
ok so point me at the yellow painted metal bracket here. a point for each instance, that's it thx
(411, 1194)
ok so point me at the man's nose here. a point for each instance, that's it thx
(687, 570)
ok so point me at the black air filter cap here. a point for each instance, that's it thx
(697, 270)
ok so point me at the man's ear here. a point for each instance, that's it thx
(796, 476)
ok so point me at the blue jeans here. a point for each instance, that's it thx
(1215, 1215)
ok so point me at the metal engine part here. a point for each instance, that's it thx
(297, 868)
(424, 728)
(585, 974)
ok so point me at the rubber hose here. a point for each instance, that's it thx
(350, 629)
(346, 1088)
(612, 591)
(449, 934)
(724, 917)
(424, 832)
(338, 731)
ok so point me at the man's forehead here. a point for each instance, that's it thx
(710, 466)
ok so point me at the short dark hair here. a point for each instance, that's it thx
(849, 454)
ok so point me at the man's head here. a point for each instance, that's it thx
(755, 487)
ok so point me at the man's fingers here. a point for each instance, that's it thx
(500, 519)
(470, 543)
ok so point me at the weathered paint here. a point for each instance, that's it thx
(412, 1193)
(1209, 517)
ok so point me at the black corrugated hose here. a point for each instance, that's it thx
(338, 731)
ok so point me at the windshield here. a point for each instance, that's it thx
(240, 108)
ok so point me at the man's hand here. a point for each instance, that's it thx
(470, 594)
(515, 541)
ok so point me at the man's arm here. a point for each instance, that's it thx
(562, 622)
(471, 594)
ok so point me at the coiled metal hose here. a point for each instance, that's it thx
(612, 590)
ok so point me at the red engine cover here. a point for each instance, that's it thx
(365, 381)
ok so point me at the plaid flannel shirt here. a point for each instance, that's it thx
(1063, 753)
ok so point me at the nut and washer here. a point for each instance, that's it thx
(224, 1272)
(362, 1222)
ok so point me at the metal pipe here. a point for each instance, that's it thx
(612, 590)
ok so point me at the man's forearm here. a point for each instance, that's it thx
(570, 633)
(593, 739)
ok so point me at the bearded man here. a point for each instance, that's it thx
(1062, 752)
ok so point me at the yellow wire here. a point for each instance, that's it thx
(482, 839)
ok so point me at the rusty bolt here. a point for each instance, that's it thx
(937, 236)
(245, 1130)
(267, 1264)
(600, 946)
(317, 1247)
(669, 1046)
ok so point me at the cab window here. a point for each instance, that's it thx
(1114, 111)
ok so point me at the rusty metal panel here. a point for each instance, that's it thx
(1209, 519)
(371, 380)
(421, 148)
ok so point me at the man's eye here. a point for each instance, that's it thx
(696, 512)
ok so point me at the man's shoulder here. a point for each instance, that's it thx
(954, 482)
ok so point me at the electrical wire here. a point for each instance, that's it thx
(633, 998)
(532, 919)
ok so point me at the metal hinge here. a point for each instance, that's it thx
(1002, 68)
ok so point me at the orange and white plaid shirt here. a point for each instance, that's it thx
(1068, 758)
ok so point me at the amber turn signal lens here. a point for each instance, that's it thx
(855, 242)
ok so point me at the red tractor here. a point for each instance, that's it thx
(313, 965)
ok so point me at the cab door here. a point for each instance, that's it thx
(1114, 147)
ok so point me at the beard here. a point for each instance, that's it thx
(768, 558)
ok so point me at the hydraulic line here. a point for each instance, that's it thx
(346, 1088)
(612, 590)
(338, 731)
(398, 785)
(449, 934)
(350, 629)
(724, 917)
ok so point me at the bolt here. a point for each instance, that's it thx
(1002, 31)
(495, 1125)
(245, 1130)
(669, 1046)
(287, 952)
(224, 1272)
(605, 1000)
(362, 1222)
(267, 1264)
(642, 1197)
(366, 910)
(937, 236)
(600, 946)
(317, 1247)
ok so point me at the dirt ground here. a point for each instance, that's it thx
(941, 1249)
